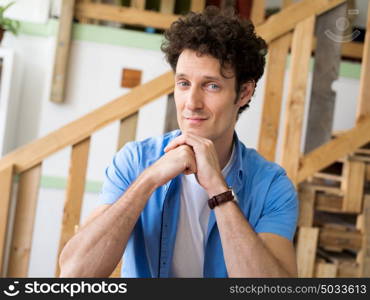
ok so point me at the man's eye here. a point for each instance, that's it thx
(182, 83)
(213, 86)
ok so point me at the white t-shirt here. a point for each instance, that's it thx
(188, 255)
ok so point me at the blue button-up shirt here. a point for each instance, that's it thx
(266, 197)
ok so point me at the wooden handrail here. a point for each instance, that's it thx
(35, 152)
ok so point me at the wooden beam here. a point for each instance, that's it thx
(60, 70)
(6, 184)
(288, 18)
(306, 250)
(258, 12)
(330, 238)
(127, 131)
(138, 4)
(276, 65)
(326, 71)
(197, 5)
(125, 15)
(363, 108)
(74, 194)
(337, 148)
(306, 197)
(329, 203)
(30, 155)
(20, 249)
(301, 53)
(325, 270)
(353, 50)
(353, 186)
(167, 6)
(365, 260)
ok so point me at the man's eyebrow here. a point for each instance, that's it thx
(206, 77)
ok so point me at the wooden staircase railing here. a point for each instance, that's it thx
(26, 161)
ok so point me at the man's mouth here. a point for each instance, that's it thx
(195, 120)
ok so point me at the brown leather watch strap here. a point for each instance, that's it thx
(220, 198)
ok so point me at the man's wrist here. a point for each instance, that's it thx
(217, 189)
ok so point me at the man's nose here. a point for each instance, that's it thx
(194, 100)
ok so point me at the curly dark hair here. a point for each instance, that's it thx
(223, 35)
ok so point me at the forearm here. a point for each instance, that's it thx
(244, 251)
(97, 248)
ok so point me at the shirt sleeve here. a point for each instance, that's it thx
(280, 211)
(120, 173)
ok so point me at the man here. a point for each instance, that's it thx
(195, 202)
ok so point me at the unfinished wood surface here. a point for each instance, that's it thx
(197, 5)
(325, 270)
(334, 150)
(20, 248)
(278, 53)
(306, 205)
(117, 271)
(167, 6)
(339, 240)
(170, 122)
(120, 108)
(306, 250)
(125, 15)
(127, 130)
(353, 186)
(139, 4)
(363, 108)
(288, 18)
(6, 183)
(62, 52)
(258, 12)
(130, 78)
(83, 20)
(301, 45)
(328, 202)
(353, 50)
(74, 193)
(331, 177)
(365, 260)
(326, 70)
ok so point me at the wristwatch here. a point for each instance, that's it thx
(222, 198)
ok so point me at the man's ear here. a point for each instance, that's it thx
(246, 92)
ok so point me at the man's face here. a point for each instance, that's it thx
(205, 100)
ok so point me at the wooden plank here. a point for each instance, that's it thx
(84, 20)
(352, 50)
(329, 203)
(353, 186)
(138, 4)
(306, 197)
(20, 249)
(363, 107)
(74, 193)
(288, 18)
(365, 261)
(332, 238)
(367, 172)
(62, 52)
(170, 122)
(258, 12)
(306, 250)
(127, 130)
(167, 6)
(125, 15)
(325, 270)
(117, 271)
(6, 184)
(130, 78)
(301, 45)
(332, 151)
(197, 5)
(276, 65)
(326, 71)
(120, 108)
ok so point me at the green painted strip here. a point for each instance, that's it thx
(55, 182)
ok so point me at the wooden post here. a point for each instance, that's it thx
(127, 130)
(306, 205)
(365, 253)
(197, 5)
(353, 186)
(6, 183)
(326, 270)
(20, 249)
(306, 250)
(139, 4)
(74, 193)
(363, 108)
(301, 53)
(62, 52)
(326, 70)
(258, 12)
(171, 115)
(274, 86)
(167, 6)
